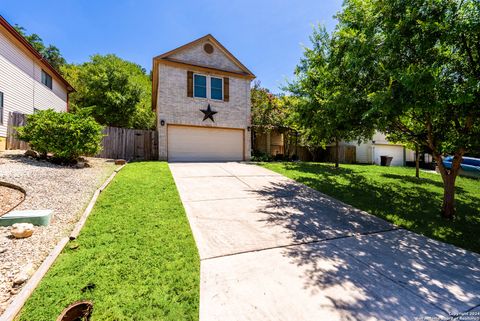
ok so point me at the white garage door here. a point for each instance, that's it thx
(389, 150)
(204, 144)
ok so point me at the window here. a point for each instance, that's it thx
(203, 86)
(199, 86)
(1, 108)
(46, 79)
(216, 88)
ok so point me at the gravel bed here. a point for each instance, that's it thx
(10, 198)
(65, 190)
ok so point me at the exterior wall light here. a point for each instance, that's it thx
(162, 122)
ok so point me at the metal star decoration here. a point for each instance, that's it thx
(208, 113)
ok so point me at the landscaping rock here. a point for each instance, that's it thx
(63, 189)
(14, 291)
(22, 230)
(120, 162)
(31, 153)
(25, 274)
(80, 165)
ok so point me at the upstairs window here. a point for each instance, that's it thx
(216, 88)
(210, 87)
(199, 86)
(1, 108)
(46, 79)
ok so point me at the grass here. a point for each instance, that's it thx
(394, 194)
(136, 257)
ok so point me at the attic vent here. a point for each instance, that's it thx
(208, 48)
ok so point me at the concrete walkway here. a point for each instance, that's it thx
(273, 249)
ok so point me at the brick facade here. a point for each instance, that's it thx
(175, 107)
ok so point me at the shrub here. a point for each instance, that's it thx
(258, 156)
(65, 135)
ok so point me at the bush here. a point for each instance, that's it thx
(65, 135)
(258, 156)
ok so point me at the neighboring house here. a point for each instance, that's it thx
(27, 82)
(201, 94)
(369, 152)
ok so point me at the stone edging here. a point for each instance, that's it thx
(86, 213)
(16, 305)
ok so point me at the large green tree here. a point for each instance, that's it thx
(50, 52)
(114, 91)
(329, 111)
(423, 60)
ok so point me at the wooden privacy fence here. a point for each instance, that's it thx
(346, 154)
(129, 144)
(15, 120)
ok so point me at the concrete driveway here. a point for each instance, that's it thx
(274, 249)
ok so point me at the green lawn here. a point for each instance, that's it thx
(393, 193)
(136, 257)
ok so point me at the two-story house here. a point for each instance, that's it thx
(27, 81)
(201, 94)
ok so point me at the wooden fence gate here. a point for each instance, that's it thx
(15, 120)
(129, 144)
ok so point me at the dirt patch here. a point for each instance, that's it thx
(10, 198)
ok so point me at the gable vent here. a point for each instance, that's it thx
(208, 48)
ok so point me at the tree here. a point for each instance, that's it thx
(114, 91)
(277, 112)
(265, 113)
(329, 111)
(51, 53)
(424, 62)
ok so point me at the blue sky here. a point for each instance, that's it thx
(267, 36)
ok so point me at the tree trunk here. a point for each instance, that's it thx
(336, 153)
(449, 177)
(417, 162)
(448, 205)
